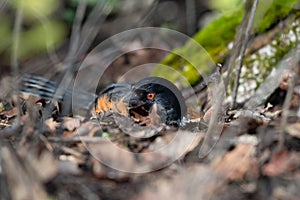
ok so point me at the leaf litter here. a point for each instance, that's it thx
(60, 151)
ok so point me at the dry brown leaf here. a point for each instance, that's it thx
(1, 107)
(207, 114)
(68, 133)
(282, 162)
(71, 123)
(87, 128)
(177, 144)
(295, 102)
(44, 165)
(294, 130)
(68, 167)
(193, 183)
(103, 172)
(237, 164)
(20, 176)
(51, 124)
(128, 126)
(284, 79)
(139, 114)
(94, 130)
(10, 113)
(120, 158)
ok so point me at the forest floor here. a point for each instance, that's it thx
(251, 154)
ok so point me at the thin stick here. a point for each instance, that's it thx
(190, 16)
(213, 78)
(14, 56)
(249, 22)
(241, 41)
(76, 29)
(285, 108)
(69, 60)
(91, 27)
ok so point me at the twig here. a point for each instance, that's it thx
(21, 178)
(286, 105)
(190, 16)
(215, 126)
(213, 78)
(75, 34)
(272, 81)
(240, 46)
(148, 14)
(264, 39)
(81, 39)
(78, 139)
(14, 56)
(91, 27)
(16, 41)
(69, 60)
(249, 21)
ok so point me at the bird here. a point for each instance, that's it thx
(137, 100)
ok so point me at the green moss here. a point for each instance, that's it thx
(219, 32)
(279, 9)
(216, 36)
(194, 61)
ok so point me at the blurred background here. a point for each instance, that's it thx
(39, 30)
(56, 39)
(41, 37)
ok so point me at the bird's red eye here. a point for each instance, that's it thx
(150, 96)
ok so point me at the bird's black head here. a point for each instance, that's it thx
(154, 90)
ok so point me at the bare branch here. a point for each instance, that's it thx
(240, 45)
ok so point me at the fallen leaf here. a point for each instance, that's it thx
(193, 183)
(139, 113)
(207, 114)
(71, 123)
(285, 76)
(68, 133)
(44, 165)
(120, 158)
(68, 167)
(176, 144)
(135, 130)
(51, 124)
(82, 130)
(295, 102)
(293, 130)
(1, 107)
(237, 164)
(21, 178)
(282, 162)
(10, 113)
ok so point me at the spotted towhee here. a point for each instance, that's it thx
(132, 100)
